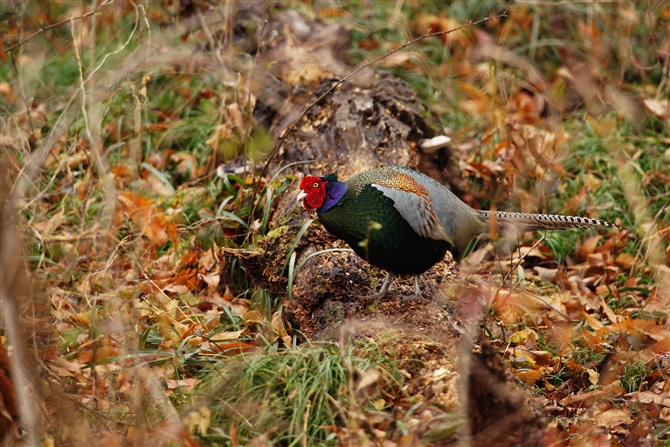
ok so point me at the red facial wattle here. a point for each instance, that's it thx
(315, 188)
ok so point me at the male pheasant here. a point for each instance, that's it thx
(404, 222)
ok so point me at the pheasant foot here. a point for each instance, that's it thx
(383, 291)
(417, 295)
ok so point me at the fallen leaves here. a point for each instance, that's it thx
(658, 107)
(150, 220)
(586, 333)
(610, 351)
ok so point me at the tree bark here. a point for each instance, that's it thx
(354, 129)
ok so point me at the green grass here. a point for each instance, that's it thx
(296, 396)
(634, 376)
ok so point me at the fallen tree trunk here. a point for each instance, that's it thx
(354, 129)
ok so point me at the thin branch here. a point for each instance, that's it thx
(46, 28)
(522, 257)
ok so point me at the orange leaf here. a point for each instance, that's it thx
(236, 347)
(625, 260)
(589, 246)
(147, 217)
(530, 376)
(156, 232)
(252, 316)
(172, 233)
(233, 436)
(229, 335)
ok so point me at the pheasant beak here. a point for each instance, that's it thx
(301, 197)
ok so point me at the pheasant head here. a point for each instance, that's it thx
(321, 193)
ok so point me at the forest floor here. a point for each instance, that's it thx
(160, 285)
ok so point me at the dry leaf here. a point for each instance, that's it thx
(625, 260)
(594, 377)
(520, 337)
(614, 417)
(529, 376)
(658, 108)
(225, 336)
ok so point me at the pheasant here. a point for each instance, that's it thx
(404, 222)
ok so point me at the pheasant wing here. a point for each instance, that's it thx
(412, 201)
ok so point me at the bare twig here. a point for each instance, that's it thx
(522, 257)
(46, 28)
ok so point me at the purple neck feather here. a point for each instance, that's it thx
(334, 192)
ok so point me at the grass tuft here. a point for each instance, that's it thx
(299, 396)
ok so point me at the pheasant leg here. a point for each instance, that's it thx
(417, 295)
(382, 291)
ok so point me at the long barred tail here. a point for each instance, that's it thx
(532, 222)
